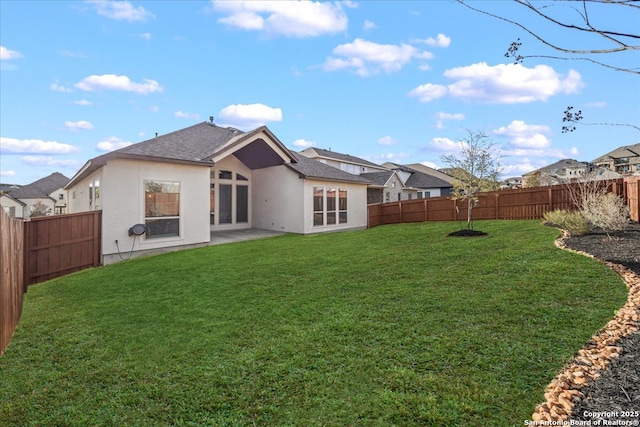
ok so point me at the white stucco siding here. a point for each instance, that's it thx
(278, 200)
(356, 206)
(122, 197)
(81, 197)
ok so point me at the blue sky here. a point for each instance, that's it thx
(385, 81)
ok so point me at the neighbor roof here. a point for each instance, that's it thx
(560, 164)
(419, 179)
(343, 157)
(378, 178)
(626, 151)
(41, 188)
(310, 168)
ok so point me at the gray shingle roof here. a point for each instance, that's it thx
(344, 157)
(310, 168)
(41, 188)
(626, 151)
(379, 178)
(193, 143)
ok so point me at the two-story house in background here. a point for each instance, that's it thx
(624, 160)
(45, 196)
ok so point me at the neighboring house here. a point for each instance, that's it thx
(560, 172)
(624, 160)
(387, 186)
(345, 162)
(183, 185)
(48, 192)
(426, 181)
(13, 207)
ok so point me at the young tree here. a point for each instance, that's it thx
(475, 169)
(39, 209)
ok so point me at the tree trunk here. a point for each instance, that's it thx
(469, 210)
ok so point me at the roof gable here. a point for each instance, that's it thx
(42, 187)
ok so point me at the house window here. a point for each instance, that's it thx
(212, 205)
(61, 196)
(242, 203)
(225, 203)
(342, 206)
(329, 206)
(225, 175)
(318, 206)
(162, 208)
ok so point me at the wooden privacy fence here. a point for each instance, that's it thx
(41, 249)
(61, 244)
(12, 284)
(632, 192)
(522, 203)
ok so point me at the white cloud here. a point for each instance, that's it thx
(539, 152)
(524, 135)
(303, 143)
(367, 58)
(441, 40)
(387, 140)
(7, 54)
(387, 157)
(48, 161)
(57, 88)
(368, 25)
(291, 18)
(428, 92)
(8, 173)
(71, 54)
(112, 143)
(82, 124)
(189, 116)
(83, 102)
(34, 146)
(114, 82)
(502, 84)
(518, 169)
(146, 36)
(442, 116)
(250, 115)
(446, 145)
(154, 108)
(120, 10)
(597, 104)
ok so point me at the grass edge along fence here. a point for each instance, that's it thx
(521, 203)
(12, 283)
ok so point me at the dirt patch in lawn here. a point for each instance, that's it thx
(602, 382)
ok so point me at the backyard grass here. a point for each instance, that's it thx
(396, 325)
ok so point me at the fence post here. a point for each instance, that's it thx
(426, 215)
(497, 206)
(26, 225)
(550, 192)
(400, 209)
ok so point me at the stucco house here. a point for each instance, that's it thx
(183, 185)
(48, 192)
(560, 172)
(624, 160)
(427, 182)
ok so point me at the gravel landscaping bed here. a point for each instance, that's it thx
(615, 394)
(601, 384)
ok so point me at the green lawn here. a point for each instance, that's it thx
(396, 325)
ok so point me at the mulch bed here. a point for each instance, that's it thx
(603, 380)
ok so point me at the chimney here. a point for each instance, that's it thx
(211, 119)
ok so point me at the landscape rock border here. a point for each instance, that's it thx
(564, 391)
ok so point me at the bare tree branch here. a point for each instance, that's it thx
(613, 36)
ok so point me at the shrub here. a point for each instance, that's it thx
(572, 221)
(605, 210)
